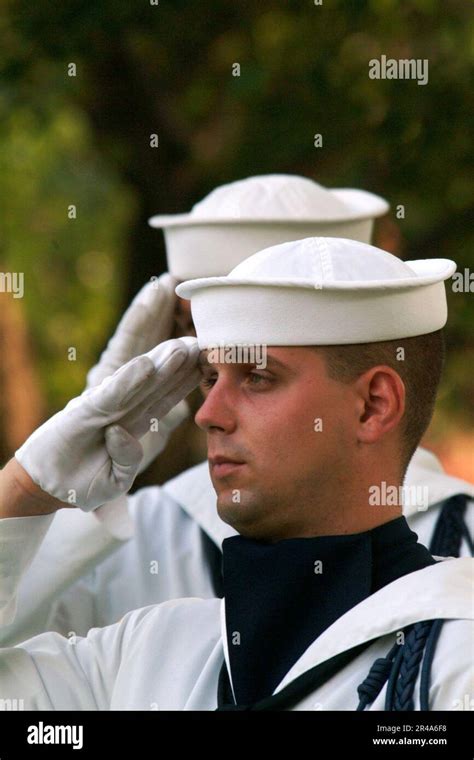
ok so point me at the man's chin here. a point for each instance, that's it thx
(238, 509)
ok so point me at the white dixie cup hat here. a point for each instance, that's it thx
(319, 291)
(240, 218)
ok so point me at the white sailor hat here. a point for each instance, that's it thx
(240, 218)
(319, 291)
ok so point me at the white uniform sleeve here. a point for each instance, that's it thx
(42, 557)
(166, 559)
(20, 537)
(51, 672)
(84, 577)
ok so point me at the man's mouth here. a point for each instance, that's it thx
(222, 465)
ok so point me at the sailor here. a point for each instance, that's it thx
(329, 601)
(163, 543)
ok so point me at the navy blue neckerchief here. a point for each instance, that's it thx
(280, 597)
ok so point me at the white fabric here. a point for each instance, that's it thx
(147, 322)
(319, 291)
(276, 198)
(114, 514)
(238, 219)
(91, 449)
(19, 539)
(425, 470)
(168, 657)
(82, 576)
(211, 251)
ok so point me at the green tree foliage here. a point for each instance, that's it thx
(167, 68)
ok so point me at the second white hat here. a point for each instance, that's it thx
(240, 218)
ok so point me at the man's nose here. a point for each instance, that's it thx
(218, 409)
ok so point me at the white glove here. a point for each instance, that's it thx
(88, 453)
(147, 322)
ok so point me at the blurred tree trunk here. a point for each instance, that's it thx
(22, 403)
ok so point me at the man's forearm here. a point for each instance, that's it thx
(20, 496)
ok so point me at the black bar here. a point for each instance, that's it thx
(135, 734)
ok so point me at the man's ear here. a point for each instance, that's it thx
(381, 395)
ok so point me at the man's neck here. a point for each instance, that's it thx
(350, 509)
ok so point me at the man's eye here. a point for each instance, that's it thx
(253, 378)
(258, 379)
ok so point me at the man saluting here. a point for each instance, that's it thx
(329, 601)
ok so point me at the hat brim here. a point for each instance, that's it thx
(427, 272)
(361, 205)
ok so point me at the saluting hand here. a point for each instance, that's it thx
(89, 453)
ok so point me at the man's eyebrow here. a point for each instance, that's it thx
(271, 361)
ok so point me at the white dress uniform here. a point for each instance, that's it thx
(92, 571)
(169, 656)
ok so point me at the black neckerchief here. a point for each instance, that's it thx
(280, 597)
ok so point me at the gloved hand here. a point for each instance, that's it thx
(89, 453)
(147, 322)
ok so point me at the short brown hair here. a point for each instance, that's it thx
(420, 371)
